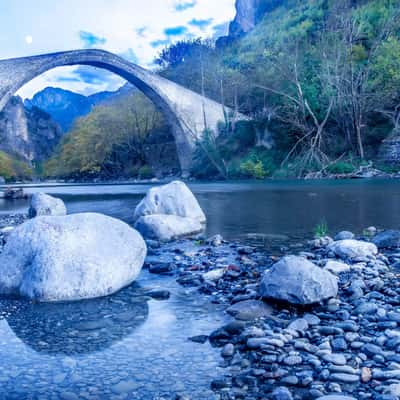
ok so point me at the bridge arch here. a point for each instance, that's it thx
(187, 113)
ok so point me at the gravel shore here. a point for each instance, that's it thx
(346, 347)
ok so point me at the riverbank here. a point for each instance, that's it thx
(363, 172)
(347, 345)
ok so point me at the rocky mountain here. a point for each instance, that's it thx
(249, 13)
(65, 106)
(27, 133)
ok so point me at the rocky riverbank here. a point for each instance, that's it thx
(348, 345)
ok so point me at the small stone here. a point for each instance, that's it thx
(344, 235)
(228, 350)
(334, 358)
(292, 360)
(346, 378)
(336, 267)
(299, 324)
(366, 374)
(281, 393)
(159, 294)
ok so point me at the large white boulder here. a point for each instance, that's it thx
(167, 227)
(70, 257)
(298, 281)
(174, 198)
(349, 248)
(43, 204)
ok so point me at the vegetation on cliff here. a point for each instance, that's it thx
(320, 78)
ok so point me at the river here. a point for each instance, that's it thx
(270, 210)
(126, 343)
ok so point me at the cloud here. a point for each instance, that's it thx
(201, 23)
(182, 5)
(160, 43)
(90, 39)
(175, 31)
(141, 32)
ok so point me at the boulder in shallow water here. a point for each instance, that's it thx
(167, 227)
(298, 281)
(389, 239)
(348, 249)
(70, 257)
(43, 204)
(172, 199)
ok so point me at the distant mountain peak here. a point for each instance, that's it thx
(66, 106)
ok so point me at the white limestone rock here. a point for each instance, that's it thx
(70, 257)
(167, 227)
(349, 249)
(174, 198)
(298, 281)
(43, 204)
(336, 267)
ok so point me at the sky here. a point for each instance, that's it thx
(135, 29)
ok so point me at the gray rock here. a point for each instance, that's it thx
(248, 310)
(43, 204)
(70, 257)
(336, 397)
(344, 235)
(298, 281)
(281, 393)
(389, 239)
(167, 227)
(349, 249)
(335, 358)
(300, 324)
(346, 378)
(228, 350)
(172, 199)
(336, 267)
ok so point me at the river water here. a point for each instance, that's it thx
(126, 346)
(239, 210)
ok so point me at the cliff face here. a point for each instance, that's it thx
(29, 134)
(249, 13)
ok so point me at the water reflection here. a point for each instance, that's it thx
(80, 327)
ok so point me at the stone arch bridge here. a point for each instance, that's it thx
(187, 112)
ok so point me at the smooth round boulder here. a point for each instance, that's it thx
(348, 249)
(43, 204)
(296, 280)
(174, 198)
(389, 239)
(167, 227)
(72, 257)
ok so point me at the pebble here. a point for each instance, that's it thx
(338, 359)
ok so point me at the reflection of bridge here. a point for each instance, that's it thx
(185, 111)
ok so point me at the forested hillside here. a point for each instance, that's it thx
(320, 78)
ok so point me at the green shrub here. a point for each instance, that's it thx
(145, 172)
(321, 230)
(341, 167)
(253, 169)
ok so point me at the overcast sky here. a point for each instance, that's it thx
(135, 29)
